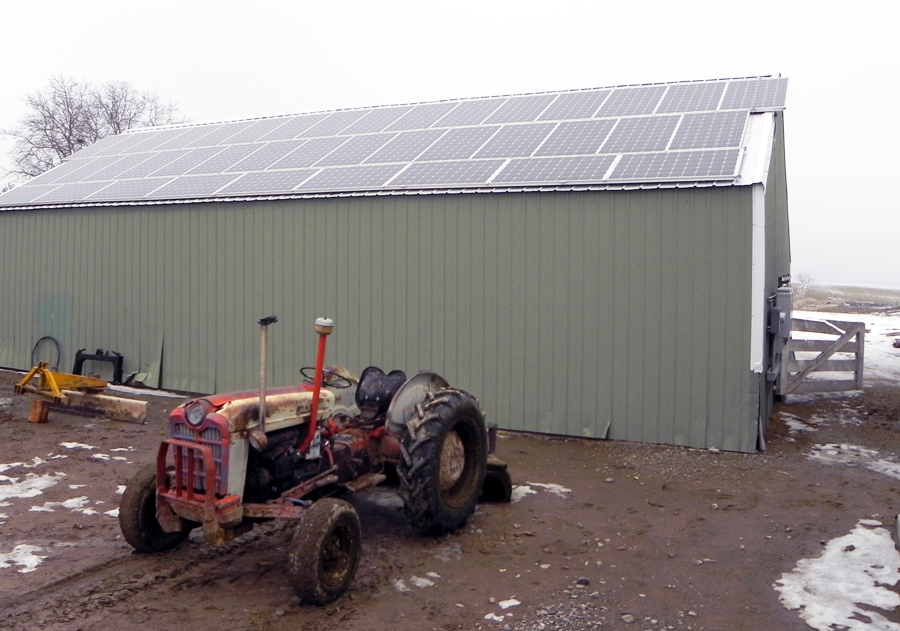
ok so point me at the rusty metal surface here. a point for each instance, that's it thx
(283, 409)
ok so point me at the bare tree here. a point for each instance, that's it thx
(802, 285)
(70, 114)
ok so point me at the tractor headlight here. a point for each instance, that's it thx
(194, 414)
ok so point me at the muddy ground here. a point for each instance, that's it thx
(657, 537)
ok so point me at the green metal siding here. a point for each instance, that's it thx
(607, 314)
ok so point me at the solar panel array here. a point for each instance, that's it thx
(690, 132)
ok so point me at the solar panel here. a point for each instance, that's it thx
(355, 150)
(631, 101)
(154, 162)
(74, 192)
(513, 141)
(272, 181)
(377, 120)
(355, 177)
(86, 168)
(684, 131)
(192, 134)
(117, 168)
(310, 152)
(456, 173)
(576, 137)
(225, 159)
(63, 170)
(691, 97)
(421, 116)
(650, 133)
(269, 154)
(293, 127)
(192, 186)
(149, 142)
(334, 124)
(258, 129)
(521, 108)
(220, 135)
(676, 165)
(128, 189)
(406, 146)
(710, 129)
(755, 94)
(554, 170)
(575, 105)
(25, 194)
(187, 161)
(113, 144)
(469, 112)
(460, 142)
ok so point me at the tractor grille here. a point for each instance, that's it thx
(190, 461)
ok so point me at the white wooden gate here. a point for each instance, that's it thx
(839, 347)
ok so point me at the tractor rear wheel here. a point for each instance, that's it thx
(324, 552)
(137, 515)
(444, 460)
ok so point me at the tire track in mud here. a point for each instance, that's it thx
(104, 586)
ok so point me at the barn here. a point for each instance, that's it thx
(595, 263)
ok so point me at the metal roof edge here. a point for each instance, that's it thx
(561, 188)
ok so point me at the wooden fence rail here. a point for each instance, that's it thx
(846, 338)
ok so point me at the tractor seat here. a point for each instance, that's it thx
(376, 389)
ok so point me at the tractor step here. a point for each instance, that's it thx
(364, 482)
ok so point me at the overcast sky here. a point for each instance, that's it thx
(227, 60)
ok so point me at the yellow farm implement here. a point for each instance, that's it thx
(46, 387)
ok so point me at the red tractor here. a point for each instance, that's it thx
(226, 466)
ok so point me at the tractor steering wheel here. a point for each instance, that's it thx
(330, 379)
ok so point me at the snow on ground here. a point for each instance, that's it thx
(844, 586)
(881, 359)
(855, 456)
(852, 579)
(19, 480)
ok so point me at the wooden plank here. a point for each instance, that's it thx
(811, 386)
(830, 327)
(831, 365)
(860, 357)
(819, 346)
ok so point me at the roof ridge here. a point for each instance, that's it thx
(453, 100)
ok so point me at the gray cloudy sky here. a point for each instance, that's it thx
(225, 60)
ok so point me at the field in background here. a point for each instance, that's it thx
(846, 298)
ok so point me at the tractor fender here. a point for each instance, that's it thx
(411, 395)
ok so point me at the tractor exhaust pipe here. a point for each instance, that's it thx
(258, 436)
(324, 327)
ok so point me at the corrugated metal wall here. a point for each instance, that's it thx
(604, 314)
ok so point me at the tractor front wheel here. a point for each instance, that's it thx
(325, 550)
(444, 461)
(137, 515)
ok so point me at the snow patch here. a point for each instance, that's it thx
(31, 486)
(418, 581)
(520, 491)
(553, 488)
(76, 446)
(400, 585)
(843, 587)
(23, 555)
(855, 456)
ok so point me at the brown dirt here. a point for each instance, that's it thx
(667, 537)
